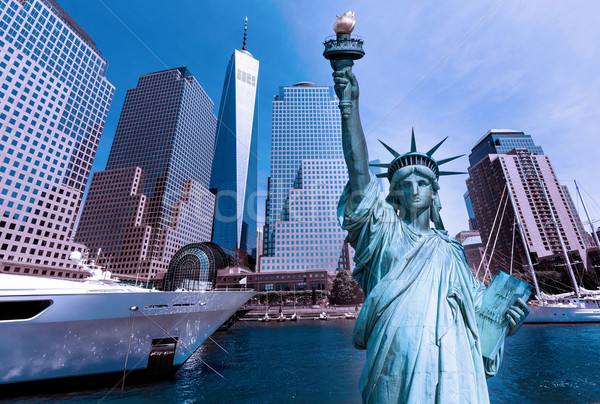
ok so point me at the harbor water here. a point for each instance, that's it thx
(314, 362)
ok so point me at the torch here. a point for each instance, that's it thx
(344, 47)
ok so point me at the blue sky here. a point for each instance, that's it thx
(446, 68)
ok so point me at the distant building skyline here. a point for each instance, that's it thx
(308, 174)
(505, 165)
(54, 98)
(234, 170)
(153, 197)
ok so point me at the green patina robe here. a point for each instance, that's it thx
(418, 322)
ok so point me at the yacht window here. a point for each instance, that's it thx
(22, 310)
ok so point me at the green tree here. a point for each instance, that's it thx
(345, 289)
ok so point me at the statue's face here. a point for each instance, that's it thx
(416, 192)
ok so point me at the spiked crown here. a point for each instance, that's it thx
(413, 158)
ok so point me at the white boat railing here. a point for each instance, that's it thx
(226, 289)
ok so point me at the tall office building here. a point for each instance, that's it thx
(54, 98)
(234, 172)
(153, 197)
(507, 164)
(308, 175)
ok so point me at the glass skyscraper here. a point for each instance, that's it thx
(54, 98)
(153, 197)
(308, 174)
(234, 171)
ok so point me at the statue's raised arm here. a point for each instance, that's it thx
(353, 138)
(341, 52)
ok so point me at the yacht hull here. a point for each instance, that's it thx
(96, 333)
(562, 314)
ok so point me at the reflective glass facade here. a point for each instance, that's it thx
(234, 173)
(54, 98)
(167, 128)
(166, 132)
(308, 174)
(502, 141)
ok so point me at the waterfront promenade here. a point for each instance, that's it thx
(304, 312)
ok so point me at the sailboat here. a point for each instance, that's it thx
(281, 317)
(579, 306)
(324, 316)
(266, 317)
(349, 316)
(294, 316)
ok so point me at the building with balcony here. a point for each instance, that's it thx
(506, 167)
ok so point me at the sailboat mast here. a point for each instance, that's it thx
(538, 295)
(587, 214)
(560, 239)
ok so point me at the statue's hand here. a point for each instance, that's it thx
(516, 315)
(346, 86)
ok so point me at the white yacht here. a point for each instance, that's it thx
(566, 308)
(60, 329)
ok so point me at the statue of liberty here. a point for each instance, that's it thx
(418, 323)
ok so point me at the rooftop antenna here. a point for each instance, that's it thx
(245, 30)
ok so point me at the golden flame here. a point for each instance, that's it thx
(345, 23)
